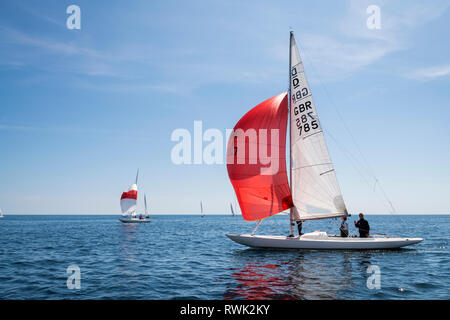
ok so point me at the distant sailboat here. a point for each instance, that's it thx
(147, 216)
(201, 209)
(1, 214)
(128, 204)
(232, 211)
(313, 190)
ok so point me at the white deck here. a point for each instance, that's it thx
(320, 240)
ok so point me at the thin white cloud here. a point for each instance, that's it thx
(429, 73)
(15, 37)
(31, 10)
(332, 56)
(8, 127)
(135, 87)
(354, 46)
(16, 128)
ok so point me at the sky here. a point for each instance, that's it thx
(82, 109)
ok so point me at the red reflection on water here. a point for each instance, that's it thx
(256, 282)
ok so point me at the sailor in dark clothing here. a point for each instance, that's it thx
(363, 226)
(299, 226)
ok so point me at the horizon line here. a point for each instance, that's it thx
(206, 214)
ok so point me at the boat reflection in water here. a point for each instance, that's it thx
(128, 249)
(285, 274)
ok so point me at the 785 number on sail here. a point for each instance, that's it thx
(305, 118)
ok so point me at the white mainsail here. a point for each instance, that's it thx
(201, 209)
(145, 204)
(1, 213)
(314, 186)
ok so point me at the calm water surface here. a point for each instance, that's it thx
(189, 257)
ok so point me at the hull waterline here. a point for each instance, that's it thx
(325, 242)
(134, 220)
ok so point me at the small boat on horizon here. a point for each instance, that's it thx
(1, 214)
(312, 192)
(201, 210)
(147, 215)
(128, 204)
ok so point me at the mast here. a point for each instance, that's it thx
(145, 203)
(137, 176)
(291, 210)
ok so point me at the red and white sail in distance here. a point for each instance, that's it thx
(260, 195)
(128, 201)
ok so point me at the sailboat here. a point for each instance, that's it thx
(232, 211)
(312, 192)
(201, 209)
(147, 215)
(128, 204)
(1, 214)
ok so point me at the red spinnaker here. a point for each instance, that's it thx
(132, 194)
(260, 195)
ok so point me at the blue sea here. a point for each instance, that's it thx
(189, 257)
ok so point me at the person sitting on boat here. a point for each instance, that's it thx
(140, 217)
(344, 227)
(363, 226)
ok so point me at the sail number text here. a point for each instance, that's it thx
(305, 118)
(304, 115)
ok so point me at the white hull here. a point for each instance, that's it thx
(131, 220)
(320, 240)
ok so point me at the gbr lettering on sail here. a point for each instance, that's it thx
(303, 110)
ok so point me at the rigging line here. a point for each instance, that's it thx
(368, 167)
(344, 123)
(256, 227)
(350, 157)
(392, 209)
(352, 160)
